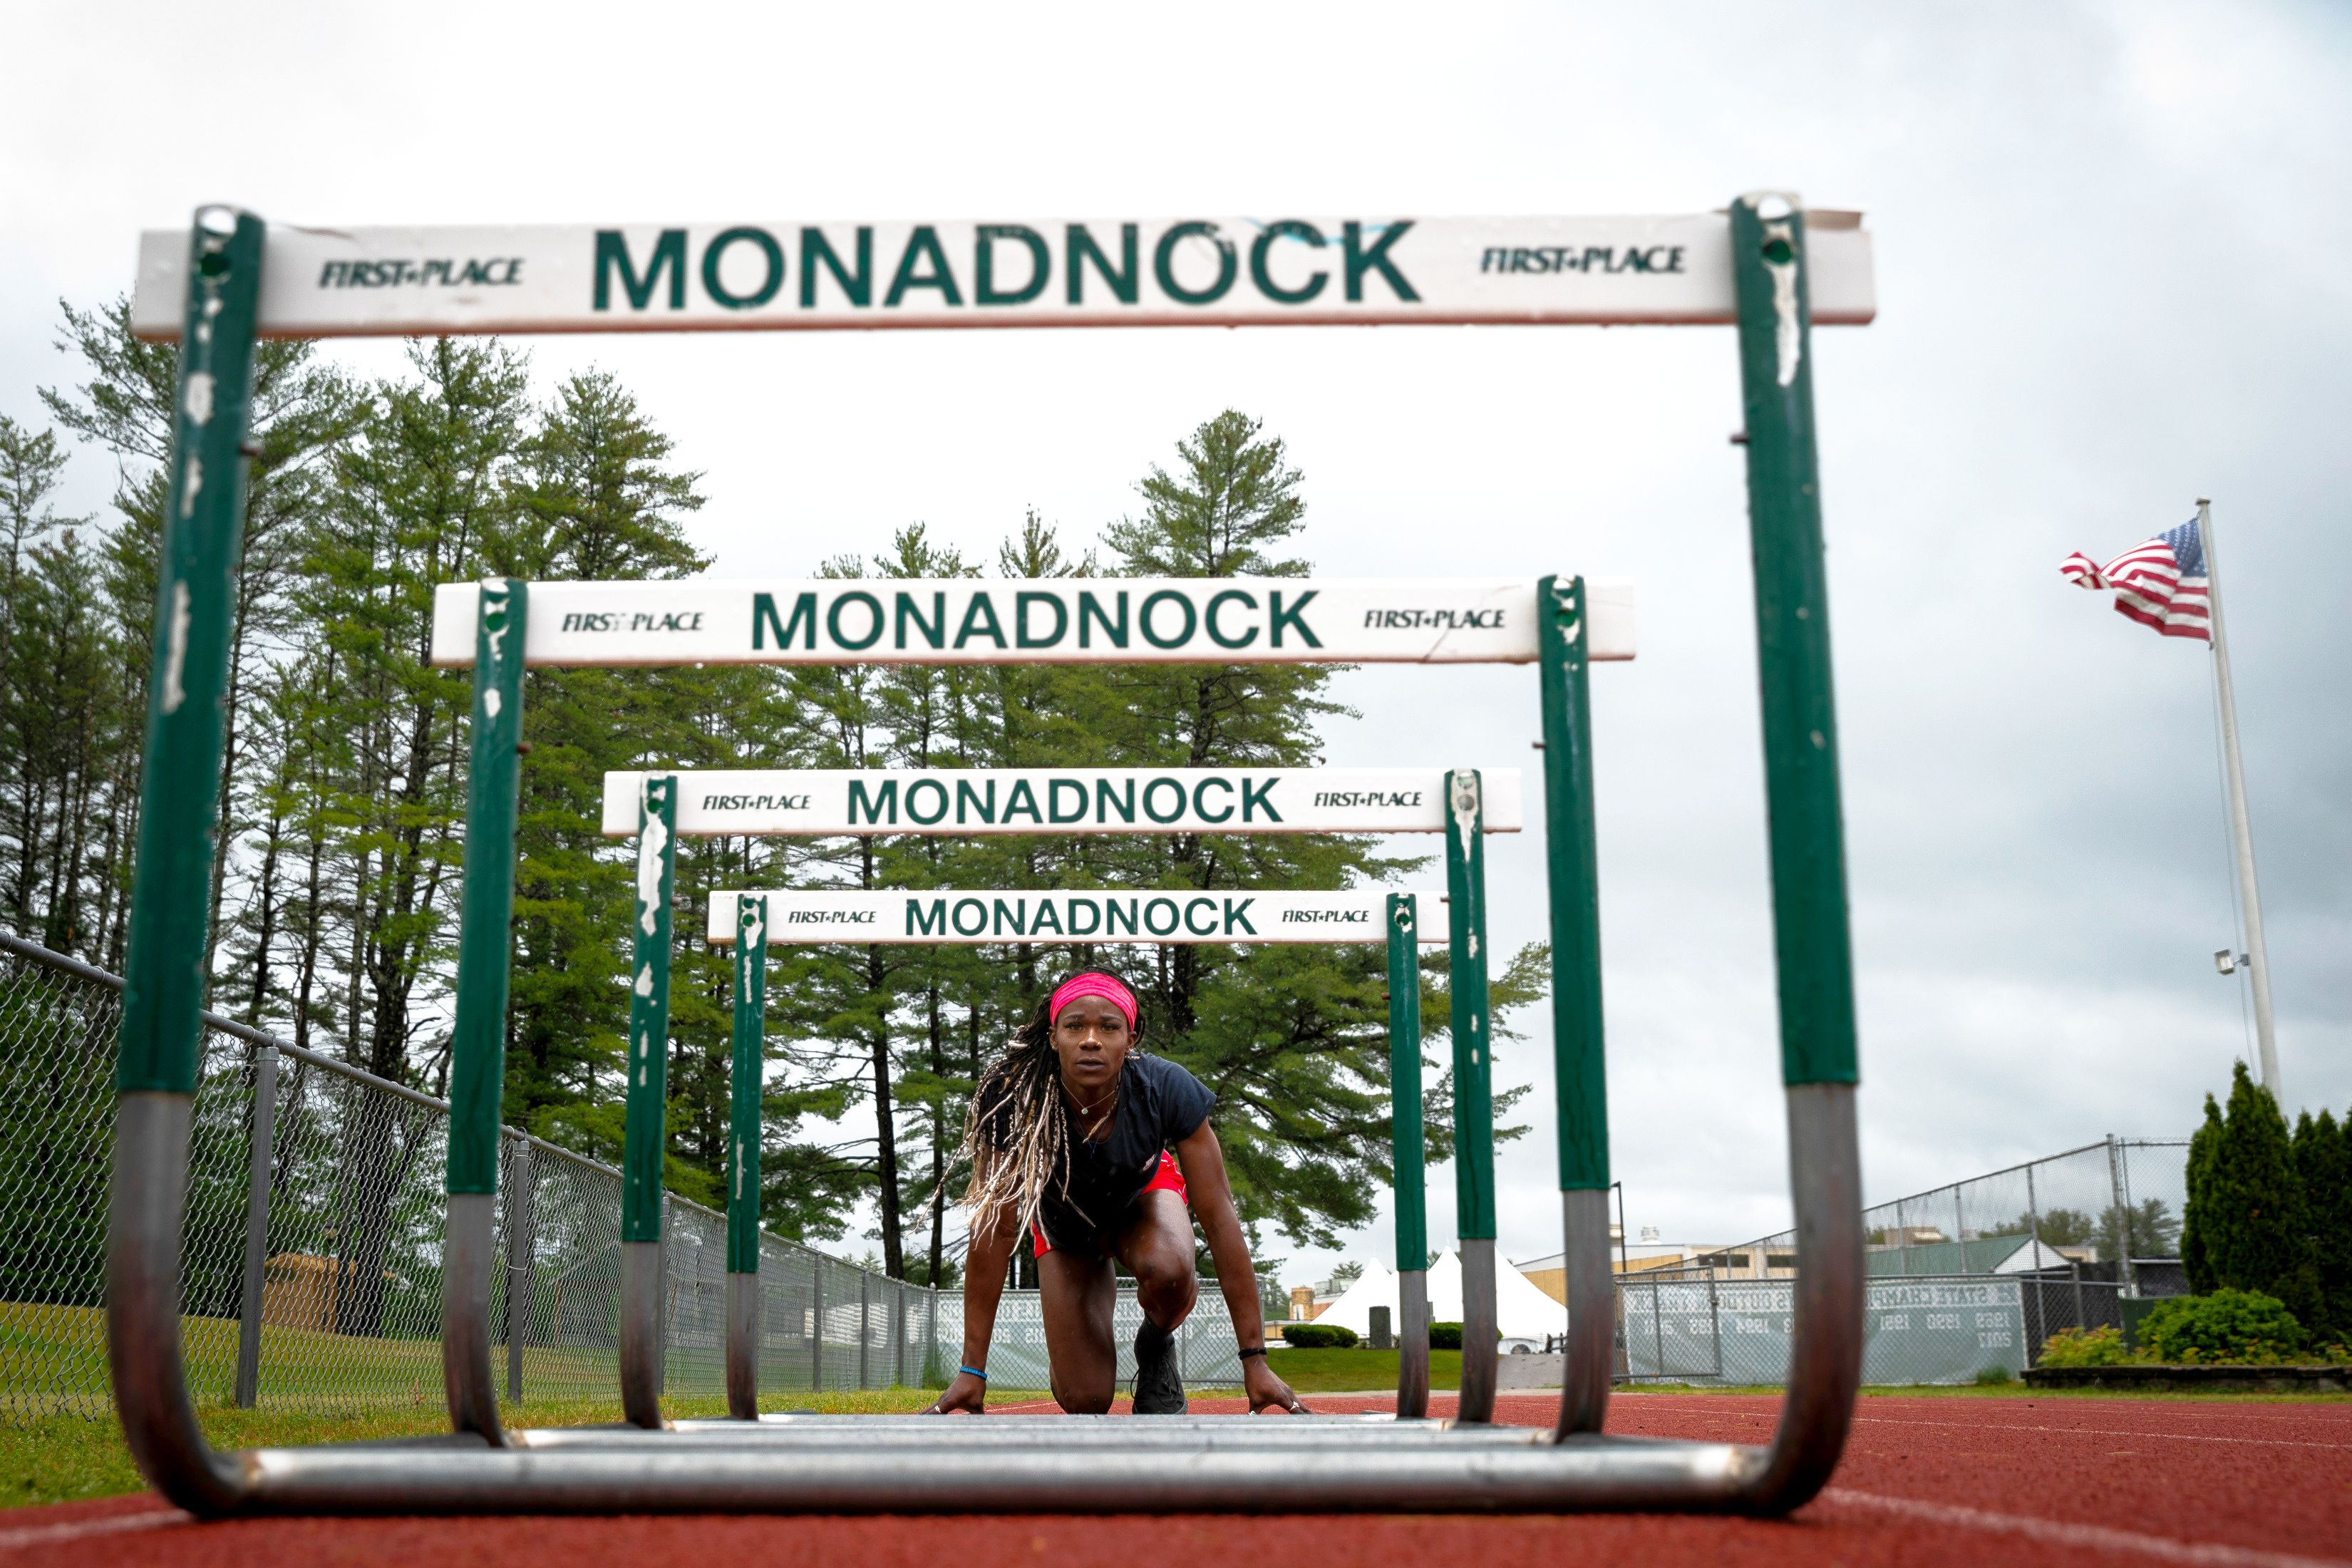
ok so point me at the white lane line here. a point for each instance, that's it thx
(2089, 1537)
(2097, 1432)
(85, 1529)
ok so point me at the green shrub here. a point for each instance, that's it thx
(2085, 1347)
(2249, 1223)
(1319, 1337)
(2236, 1327)
(1994, 1377)
(2323, 1158)
(1445, 1336)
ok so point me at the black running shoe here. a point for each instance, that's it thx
(1159, 1387)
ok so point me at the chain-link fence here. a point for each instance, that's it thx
(1697, 1325)
(2075, 1233)
(1207, 1353)
(2111, 1210)
(1704, 1325)
(311, 1253)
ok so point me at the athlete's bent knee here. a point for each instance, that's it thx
(1089, 1401)
(1164, 1285)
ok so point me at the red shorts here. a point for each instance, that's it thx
(1167, 1179)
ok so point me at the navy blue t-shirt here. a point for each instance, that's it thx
(1160, 1103)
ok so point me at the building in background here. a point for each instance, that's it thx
(1650, 1254)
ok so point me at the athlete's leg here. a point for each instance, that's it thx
(1079, 1295)
(1156, 1245)
(1157, 1248)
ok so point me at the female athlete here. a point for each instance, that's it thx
(1068, 1139)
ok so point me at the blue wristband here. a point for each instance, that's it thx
(975, 1372)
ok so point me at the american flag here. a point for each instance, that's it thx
(2162, 584)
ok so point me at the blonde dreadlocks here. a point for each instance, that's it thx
(1016, 1119)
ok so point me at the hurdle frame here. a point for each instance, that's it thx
(746, 1085)
(1474, 1129)
(1398, 930)
(1396, 1464)
(1473, 1090)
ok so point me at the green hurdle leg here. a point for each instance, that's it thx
(746, 1084)
(644, 1135)
(1576, 1021)
(179, 784)
(478, 1038)
(1813, 945)
(1411, 1175)
(1474, 1103)
(179, 797)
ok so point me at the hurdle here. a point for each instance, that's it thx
(1762, 266)
(659, 808)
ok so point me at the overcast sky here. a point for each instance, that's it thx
(2112, 265)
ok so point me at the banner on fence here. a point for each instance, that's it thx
(1207, 1352)
(818, 802)
(1917, 1331)
(1067, 620)
(1105, 272)
(937, 916)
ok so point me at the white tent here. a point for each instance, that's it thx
(2032, 1255)
(1377, 1287)
(1521, 1311)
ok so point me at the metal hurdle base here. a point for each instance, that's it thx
(1090, 1464)
(1114, 1468)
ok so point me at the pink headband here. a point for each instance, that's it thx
(1093, 983)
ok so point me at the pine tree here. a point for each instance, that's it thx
(67, 729)
(414, 502)
(2322, 1158)
(2249, 1221)
(303, 412)
(44, 593)
(2143, 1229)
(927, 710)
(2203, 1145)
(840, 1004)
(413, 498)
(591, 498)
(1292, 1039)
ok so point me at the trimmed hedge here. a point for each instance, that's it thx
(2102, 1346)
(2234, 1326)
(1445, 1336)
(1319, 1337)
(2228, 1328)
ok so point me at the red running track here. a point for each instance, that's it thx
(1926, 1481)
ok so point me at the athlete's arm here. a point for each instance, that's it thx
(1203, 1160)
(992, 1241)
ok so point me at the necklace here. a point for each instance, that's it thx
(1088, 1123)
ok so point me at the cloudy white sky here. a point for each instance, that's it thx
(2112, 276)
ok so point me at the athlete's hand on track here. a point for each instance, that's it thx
(1267, 1392)
(966, 1393)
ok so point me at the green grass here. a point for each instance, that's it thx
(1361, 1370)
(1992, 1391)
(1356, 1371)
(69, 1344)
(57, 1459)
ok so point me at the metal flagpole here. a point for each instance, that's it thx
(2242, 835)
